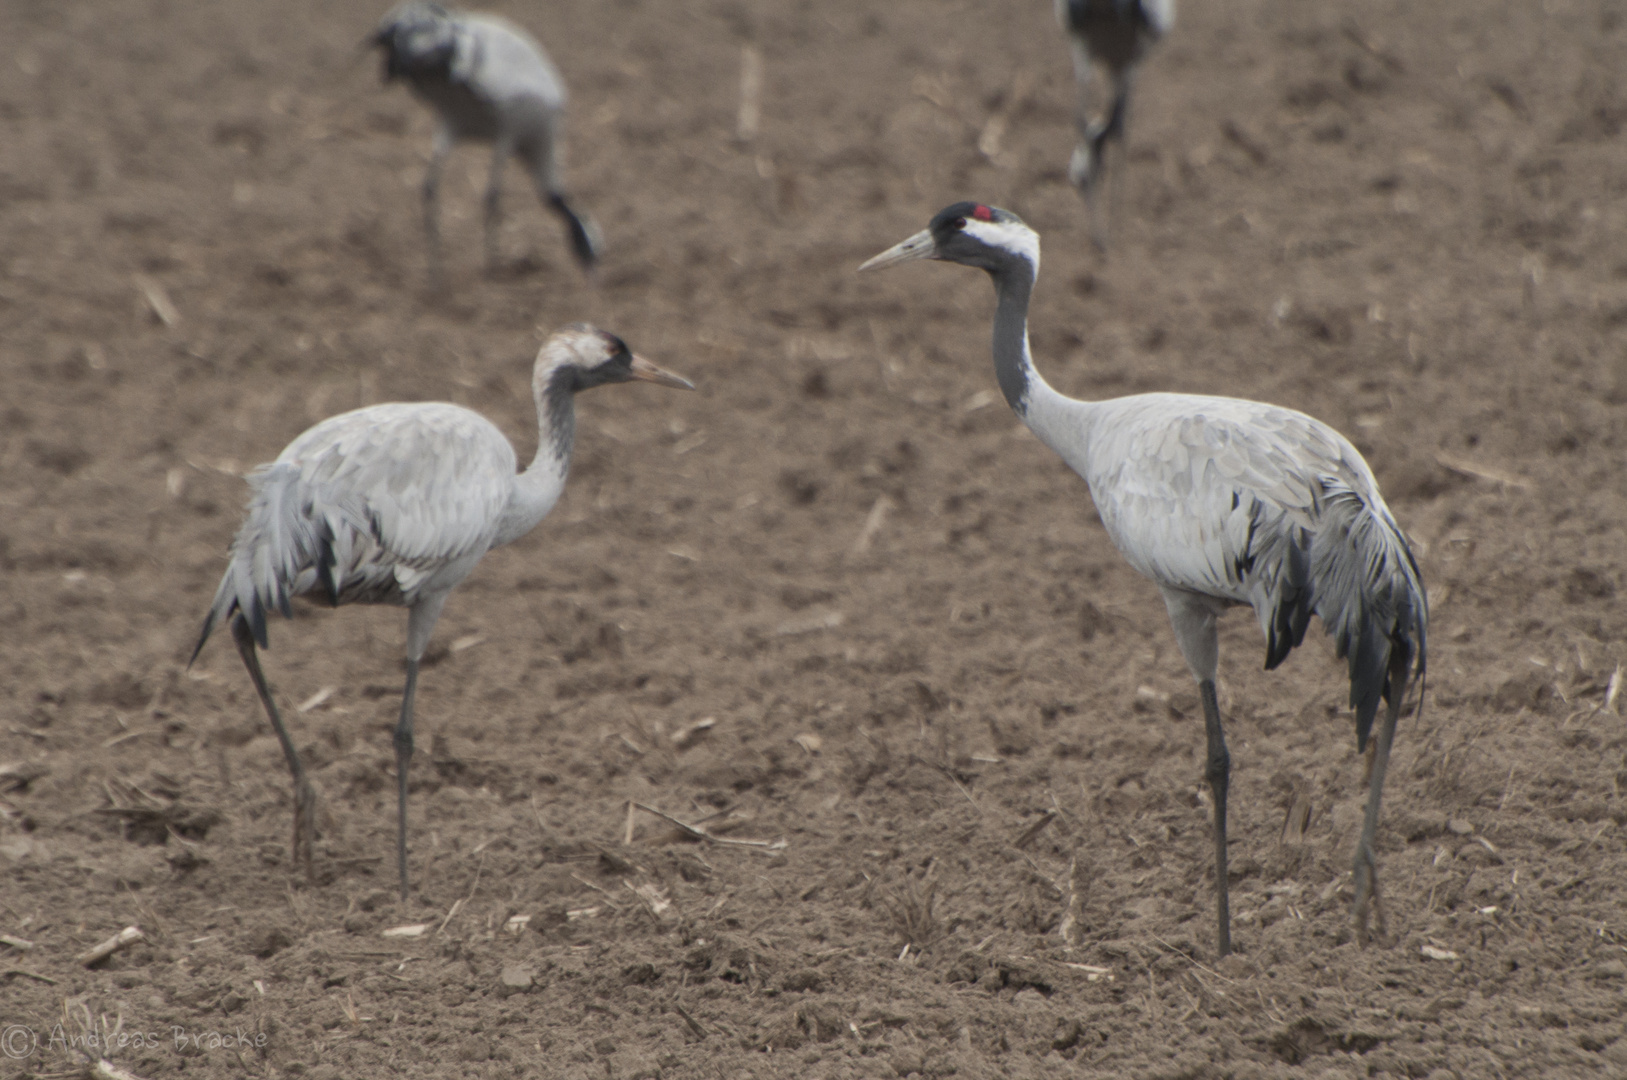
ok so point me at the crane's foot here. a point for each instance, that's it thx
(1369, 906)
(304, 827)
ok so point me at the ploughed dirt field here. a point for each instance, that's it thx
(838, 609)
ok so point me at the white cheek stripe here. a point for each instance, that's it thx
(1013, 236)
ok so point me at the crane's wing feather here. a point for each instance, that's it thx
(372, 506)
(1265, 506)
(427, 481)
(500, 62)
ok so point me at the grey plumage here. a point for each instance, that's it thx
(395, 504)
(488, 81)
(1114, 35)
(1221, 502)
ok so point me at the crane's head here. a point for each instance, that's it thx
(971, 233)
(581, 357)
(418, 39)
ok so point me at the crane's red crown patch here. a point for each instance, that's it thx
(982, 213)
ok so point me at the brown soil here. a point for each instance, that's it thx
(1402, 218)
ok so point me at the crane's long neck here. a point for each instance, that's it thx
(1054, 417)
(539, 486)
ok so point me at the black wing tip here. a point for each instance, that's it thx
(1293, 615)
(582, 246)
(1288, 628)
(326, 561)
(257, 623)
(203, 638)
(585, 242)
(1402, 664)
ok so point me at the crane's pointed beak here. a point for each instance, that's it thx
(919, 246)
(644, 371)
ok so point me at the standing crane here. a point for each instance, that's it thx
(1221, 502)
(490, 81)
(1115, 34)
(395, 504)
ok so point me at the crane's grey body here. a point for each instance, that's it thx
(1221, 502)
(1239, 502)
(395, 504)
(392, 502)
(1114, 35)
(487, 81)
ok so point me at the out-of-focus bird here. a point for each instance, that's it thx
(1221, 502)
(490, 81)
(1115, 34)
(395, 504)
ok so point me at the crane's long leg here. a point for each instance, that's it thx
(304, 796)
(1085, 170)
(1081, 84)
(502, 149)
(432, 215)
(541, 155)
(421, 619)
(1218, 772)
(1368, 899)
(403, 757)
(1097, 134)
(1193, 618)
(1085, 165)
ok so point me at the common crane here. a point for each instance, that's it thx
(490, 81)
(1221, 502)
(395, 504)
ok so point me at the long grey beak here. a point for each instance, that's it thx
(644, 371)
(919, 246)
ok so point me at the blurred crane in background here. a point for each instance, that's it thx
(1116, 35)
(490, 81)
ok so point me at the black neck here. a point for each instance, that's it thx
(1013, 285)
(559, 415)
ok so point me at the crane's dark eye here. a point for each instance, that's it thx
(958, 224)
